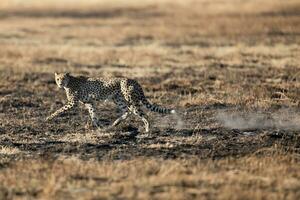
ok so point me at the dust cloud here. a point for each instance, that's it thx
(285, 119)
(173, 120)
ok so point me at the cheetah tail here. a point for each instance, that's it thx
(156, 108)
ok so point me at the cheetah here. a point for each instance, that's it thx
(126, 93)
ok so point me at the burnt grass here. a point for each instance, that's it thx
(27, 99)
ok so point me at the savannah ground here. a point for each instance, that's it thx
(230, 68)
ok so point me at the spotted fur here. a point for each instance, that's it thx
(127, 94)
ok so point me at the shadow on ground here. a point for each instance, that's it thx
(128, 143)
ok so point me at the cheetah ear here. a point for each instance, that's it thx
(55, 74)
(67, 74)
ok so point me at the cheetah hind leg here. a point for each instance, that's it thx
(138, 112)
(123, 107)
(120, 119)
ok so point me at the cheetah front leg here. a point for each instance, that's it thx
(92, 113)
(65, 108)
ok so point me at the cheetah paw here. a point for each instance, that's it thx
(48, 119)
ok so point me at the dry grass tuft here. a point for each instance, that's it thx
(5, 150)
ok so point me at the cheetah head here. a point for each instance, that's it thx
(62, 79)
